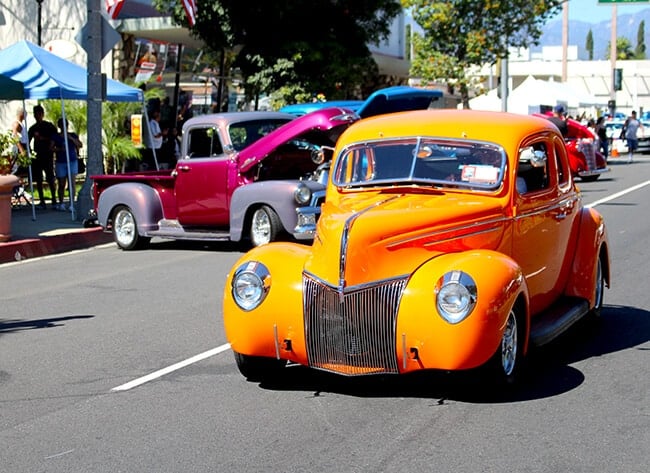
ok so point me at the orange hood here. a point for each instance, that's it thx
(389, 234)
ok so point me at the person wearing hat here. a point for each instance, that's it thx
(559, 119)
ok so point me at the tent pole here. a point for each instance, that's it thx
(29, 167)
(71, 189)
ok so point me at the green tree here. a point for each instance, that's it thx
(589, 45)
(460, 34)
(326, 41)
(623, 49)
(639, 52)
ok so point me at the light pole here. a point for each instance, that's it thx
(39, 28)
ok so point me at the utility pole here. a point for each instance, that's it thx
(94, 111)
(39, 24)
(612, 61)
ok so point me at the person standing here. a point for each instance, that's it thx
(603, 140)
(61, 164)
(41, 132)
(631, 127)
(156, 139)
(19, 130)
(559, 119)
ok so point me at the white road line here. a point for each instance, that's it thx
(618, 194)
(174, 367)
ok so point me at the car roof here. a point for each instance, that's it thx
(299, 109)
(506, 129)
(228, 118)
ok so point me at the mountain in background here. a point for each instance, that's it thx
(626, 26)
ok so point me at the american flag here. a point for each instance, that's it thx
(113, 7)
(190, 11)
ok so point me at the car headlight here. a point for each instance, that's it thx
(302, 194)
(250, 285)
(455, 296)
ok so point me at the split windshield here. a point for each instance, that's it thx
(472, 164)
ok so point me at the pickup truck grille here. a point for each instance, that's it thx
(352, 333)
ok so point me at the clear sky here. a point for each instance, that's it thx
(591, 11)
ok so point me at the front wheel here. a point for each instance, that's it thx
(265, 226)
(257, 368)
(125, 230)
(591, 178)
(599, 290)
(507, 362)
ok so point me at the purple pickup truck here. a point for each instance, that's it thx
(242, 176)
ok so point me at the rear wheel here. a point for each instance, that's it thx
(125, 230)
(265, 226)
(257, 368)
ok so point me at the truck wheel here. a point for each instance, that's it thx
(257, 368)
(125, 230)
(265, 226)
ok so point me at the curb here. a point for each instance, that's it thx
(20, 250)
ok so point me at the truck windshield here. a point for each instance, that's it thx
(471, 164)
(243, 134)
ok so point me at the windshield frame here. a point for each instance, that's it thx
(462, 158)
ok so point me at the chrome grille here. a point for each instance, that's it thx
(352, 333)
(589, 151)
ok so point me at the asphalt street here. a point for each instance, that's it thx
(75, 326)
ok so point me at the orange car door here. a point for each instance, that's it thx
(543, 223)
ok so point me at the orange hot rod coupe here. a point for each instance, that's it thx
(448, 240)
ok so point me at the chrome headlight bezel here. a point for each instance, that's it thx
(250, 285)
(456, 295)
(302, 194)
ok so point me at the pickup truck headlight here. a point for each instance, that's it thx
(250, 285)
(302, 194)
(455, 296)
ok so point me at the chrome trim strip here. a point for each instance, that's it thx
(357, 287)
(346, 235)
(275, 340)
(493, 222)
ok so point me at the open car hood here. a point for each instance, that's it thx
(323, 121)
(333, 120)
(400, 98)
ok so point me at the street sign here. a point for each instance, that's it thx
(623, 1)
(110, 37)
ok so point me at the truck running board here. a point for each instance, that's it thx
(547, 326)
(173, 229)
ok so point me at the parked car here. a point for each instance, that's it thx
(448, 240)
(300, 109)
(585, 160)
(614, 129)
(207, 196)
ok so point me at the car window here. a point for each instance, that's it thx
(204, 143)
(532, 168)
(472, 164)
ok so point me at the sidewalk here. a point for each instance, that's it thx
(50, 232)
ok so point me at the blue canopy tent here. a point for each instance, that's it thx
(47, 76)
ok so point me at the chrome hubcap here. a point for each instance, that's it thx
(124, 227)
(509, 345)
(261, 228)
(599, 286)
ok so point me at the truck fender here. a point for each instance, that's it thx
(142, 199)
(279, 195)
(593, 244)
